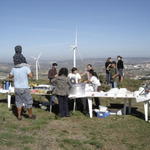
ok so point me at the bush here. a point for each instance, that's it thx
(130, 84)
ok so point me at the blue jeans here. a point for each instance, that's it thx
(114, 84)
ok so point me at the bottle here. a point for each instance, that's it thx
(7, 84)
(4, 85)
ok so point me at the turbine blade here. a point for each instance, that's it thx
(76, 38)
(39, 55)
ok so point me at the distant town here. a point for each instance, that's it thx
(135, 68)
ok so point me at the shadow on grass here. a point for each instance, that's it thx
(134, 110)
(46, 106)
(137, 113)
(4, 100)
(14, 110)
(79, 106)
(55, 106)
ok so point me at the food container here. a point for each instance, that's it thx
(102, 108)
(44, 87)
(89, 88)
(77, 89)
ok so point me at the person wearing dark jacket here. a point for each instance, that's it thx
(52, 72)
(120, 67)
(61, 90)
(107, 65)
(113, 74)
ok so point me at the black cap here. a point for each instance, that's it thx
(54, 64)
(18, 49)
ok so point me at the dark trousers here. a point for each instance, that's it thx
(97, 102)
(113, 84)
(84, 103)
(63, 106)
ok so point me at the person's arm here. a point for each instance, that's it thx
(30, 75)
(79, 78)
(115, 75)
(108, 67)
(11, 74)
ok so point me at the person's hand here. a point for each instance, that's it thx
(98, 88)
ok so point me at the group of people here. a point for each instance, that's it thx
(62, 81)
(114, 71)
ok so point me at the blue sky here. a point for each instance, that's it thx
(105, 27)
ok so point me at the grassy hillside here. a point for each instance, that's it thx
(78, 132)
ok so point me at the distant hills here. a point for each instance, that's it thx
(98, 63)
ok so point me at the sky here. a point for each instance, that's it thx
(105, 28)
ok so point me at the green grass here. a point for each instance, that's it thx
(78, 132)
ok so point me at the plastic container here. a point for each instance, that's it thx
(102, 108)
(7, 85)
(103, 114)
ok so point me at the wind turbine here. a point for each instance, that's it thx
(75, 48)
(37, 65)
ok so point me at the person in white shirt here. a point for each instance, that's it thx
(96, 84)
(21, 73)
(74, 76)
(22, 91)
(94, 80)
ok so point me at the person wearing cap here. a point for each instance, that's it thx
(52, 73)
(22, 91)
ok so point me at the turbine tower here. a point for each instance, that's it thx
(37, 65)
(75, 48)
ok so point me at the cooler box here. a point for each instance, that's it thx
(103, 114)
